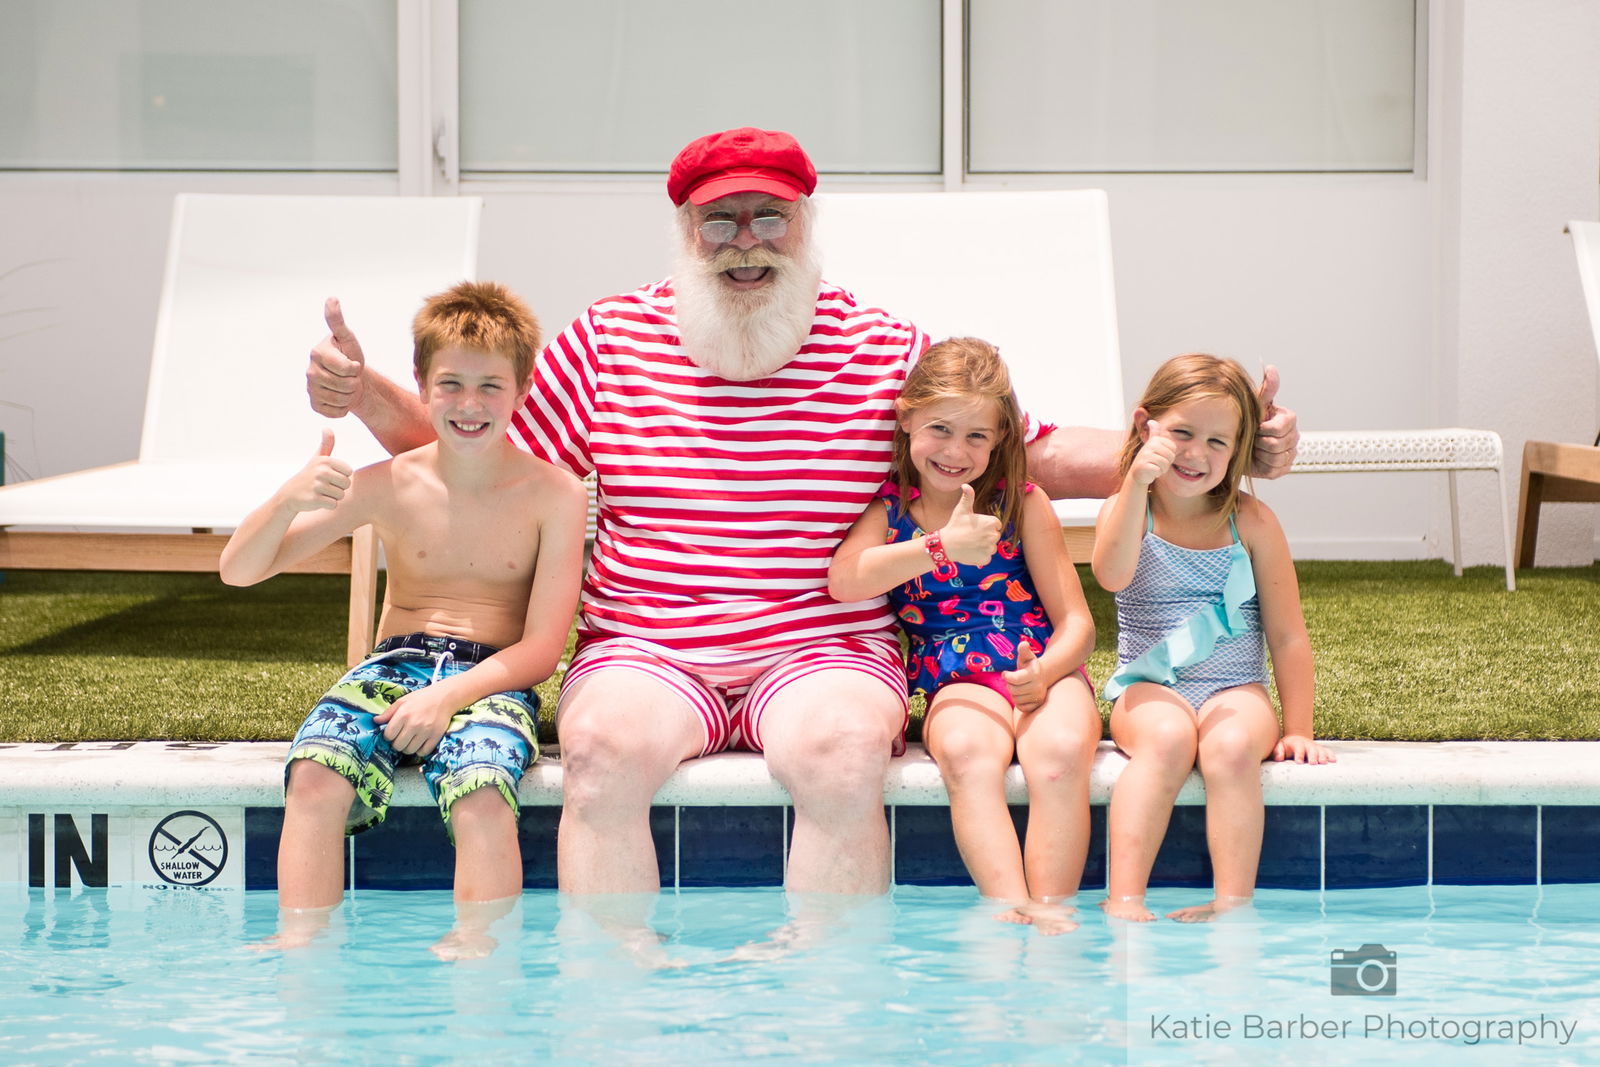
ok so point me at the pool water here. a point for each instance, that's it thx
(1484, 974)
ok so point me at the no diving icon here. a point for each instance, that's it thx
(188, 848)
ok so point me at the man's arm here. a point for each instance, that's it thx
(339, 383)
(1074, 461)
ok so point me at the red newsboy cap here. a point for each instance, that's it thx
(746, 160)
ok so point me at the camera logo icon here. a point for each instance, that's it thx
(1368, 971)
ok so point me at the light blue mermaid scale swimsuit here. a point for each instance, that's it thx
(1190, 620)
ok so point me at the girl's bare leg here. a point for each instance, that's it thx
(1237, 731)
(969, 733)
(1157, 730)
(1056, 747)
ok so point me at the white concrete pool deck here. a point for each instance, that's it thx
(250, 774)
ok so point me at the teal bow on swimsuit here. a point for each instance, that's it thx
(1196, 637)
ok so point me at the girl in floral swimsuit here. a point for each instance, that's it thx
(972, 559)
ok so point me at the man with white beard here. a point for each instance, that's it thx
(739, 416)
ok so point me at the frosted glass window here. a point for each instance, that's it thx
(619, 86)
(1191, 85)
(198, 85)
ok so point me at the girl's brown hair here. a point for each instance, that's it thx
(1198, 377)
(965, 368)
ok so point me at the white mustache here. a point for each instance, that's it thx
(733, 259)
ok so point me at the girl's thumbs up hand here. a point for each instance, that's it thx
(1026, 683)
(970, 537)
(1155, 458)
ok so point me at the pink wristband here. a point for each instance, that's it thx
(943, 567)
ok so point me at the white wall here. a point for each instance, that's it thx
(1518, 149)
(1387, 301)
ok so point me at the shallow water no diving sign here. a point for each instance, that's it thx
(188, 848)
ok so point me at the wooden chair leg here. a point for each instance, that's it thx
(363, 593)
(1528, 510)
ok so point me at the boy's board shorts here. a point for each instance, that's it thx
(489, 743)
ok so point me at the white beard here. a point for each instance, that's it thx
(743, 335)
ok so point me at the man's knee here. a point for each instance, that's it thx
(833, 743)
(621, 741)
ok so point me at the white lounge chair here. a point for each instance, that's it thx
(1553, 472)
(226, 418)
(1028, 271)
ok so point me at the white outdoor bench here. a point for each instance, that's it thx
(1450, 450)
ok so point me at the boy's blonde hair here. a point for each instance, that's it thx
(485, 316)
(1197, 377)
(965, 368)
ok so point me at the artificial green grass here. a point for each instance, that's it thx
(1405, 651)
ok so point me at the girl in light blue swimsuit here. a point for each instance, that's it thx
(1205, 588)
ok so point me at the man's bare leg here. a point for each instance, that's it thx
(622, 734)
(827, 738)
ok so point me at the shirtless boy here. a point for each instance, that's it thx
(484, 544)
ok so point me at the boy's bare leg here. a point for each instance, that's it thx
(488, 854)
(488, 872)
(310, 852)
(311, 847)
(827, 739)
(1237, 731)
(622, 735)
(1056, 746)
(968, 731)
(1157, 730)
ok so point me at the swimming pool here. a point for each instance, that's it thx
(1493, 974)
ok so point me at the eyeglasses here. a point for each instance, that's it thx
(762, 228)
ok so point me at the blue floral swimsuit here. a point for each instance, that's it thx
(968, 626)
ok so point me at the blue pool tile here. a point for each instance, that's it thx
(1291, 848)
(408, 850)
(1571, 850)
(536, 836)
(1376, 845)
(1184, 859)
(1489, 845)
(262, 826)
(925, 850)
(664, 834)
(731, 846)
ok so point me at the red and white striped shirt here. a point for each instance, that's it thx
(720, 502)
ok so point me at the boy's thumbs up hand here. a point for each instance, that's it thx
(321, 483)
(1155, 458)
(335, 374)
(970, 537)
(1026, 683)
